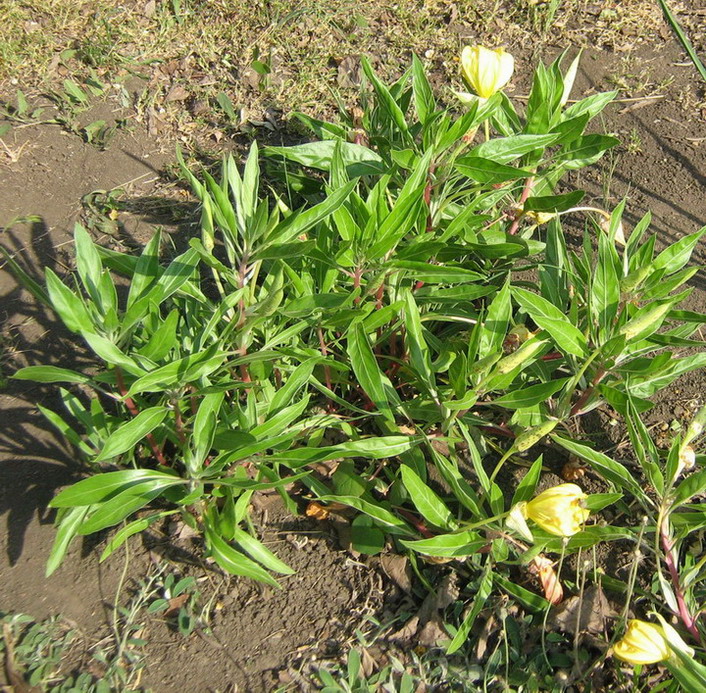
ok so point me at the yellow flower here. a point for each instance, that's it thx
(643, 643)
(487, 71)
(559, 510)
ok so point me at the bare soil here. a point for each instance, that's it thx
(260, 638)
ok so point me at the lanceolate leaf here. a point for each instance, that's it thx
(67, 530)
(611, 470)
(458, 544)
(99, 487)
(130, 434)
(531, 395)
(235, 562)
(366, 369)
(425, 500)
(50, 374)
(566, 335)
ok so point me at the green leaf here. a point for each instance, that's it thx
(111, 354)
(531, 395)
(117, 508)
(88, 263)
(494, 327)
(392, 523)
(676, 255)
(68, 305)
(366, 369)
(598, 501)
(553, 203)
(358, 160)
(482, 594)
(234, 562)
(130, 434)
(227, 105)
(567, 336)
(257, 550)
(50, 374)
(592, 105)
(693, 485)
(204, 428)
(528, 599)
(124, 533)
(366, 537)
(430, 506)
(388, 103)
(424, 102)
(300, 222)
(605, 288)
(183, 371)
(612, 471)
(505, 149)
(585, 151)
(526, 488)
(146, 270)
(99, 487)
(68, 529)
(458, 544)
(488, 171)
(373, 448)
(416, 344)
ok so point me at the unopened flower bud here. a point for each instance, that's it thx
(526, 352)
(687, 459)
(559, 510)
(533, 435)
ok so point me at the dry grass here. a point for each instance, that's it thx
(206, 46)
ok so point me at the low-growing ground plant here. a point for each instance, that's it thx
(397, 330)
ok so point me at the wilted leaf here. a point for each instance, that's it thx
(588, 614)
(544, 567)
(397, 568)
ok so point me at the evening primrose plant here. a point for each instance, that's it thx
(363, 333)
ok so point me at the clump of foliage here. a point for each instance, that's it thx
(414, 323)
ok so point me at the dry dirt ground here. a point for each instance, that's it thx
(258, 638)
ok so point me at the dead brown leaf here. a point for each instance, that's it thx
(482, 645)
(432, 633)
(317, 511)
(177, 93)
(408, 630)
(367, 663)
(397, 568)
(149, 9)
(544, 568)
(175, 603)
(588, 614)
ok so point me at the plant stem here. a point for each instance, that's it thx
(525, 194)
(178, 422)
(668, 548)
(586, 394)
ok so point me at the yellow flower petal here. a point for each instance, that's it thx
(486, 71)
(559, 510)
(643, 643)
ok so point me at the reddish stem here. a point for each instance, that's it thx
(586, 394)
(178, 422)
(132, 408)
(668, 547)
(356, 283)
(523, 198)
(418, 524)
